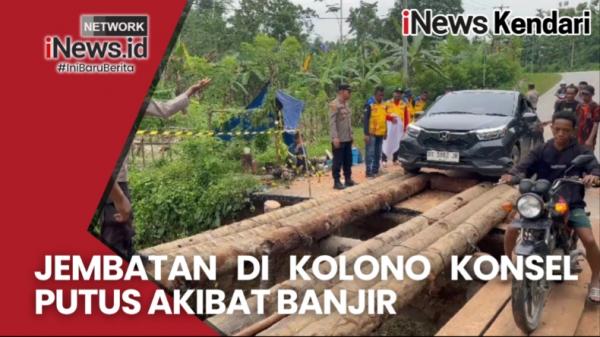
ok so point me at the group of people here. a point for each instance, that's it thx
(384, 123)
(578, 100)
(574, 128)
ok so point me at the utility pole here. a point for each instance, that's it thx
(405, 50)
(484, 67)
(572, 52)
(492, 49)
(341, 21)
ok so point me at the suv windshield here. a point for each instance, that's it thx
(477, 103)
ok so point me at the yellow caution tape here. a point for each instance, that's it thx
(180, 133)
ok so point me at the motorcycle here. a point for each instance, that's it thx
(543, 223)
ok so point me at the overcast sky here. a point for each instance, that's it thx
(329, 29)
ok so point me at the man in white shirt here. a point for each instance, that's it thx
(533, 96)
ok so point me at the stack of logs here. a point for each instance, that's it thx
(281, 231)
(450, 228)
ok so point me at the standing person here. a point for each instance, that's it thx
(588, 117)
(533, 96)
(116, 222)
(581, 86)
(397, 111)
(421, 103)
(568, 103)
(562, 89)
(340, 127)
(375, 130)
(410, 108)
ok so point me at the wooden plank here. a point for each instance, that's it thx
(566, 305)
(589, 324)
(504, 325)
(475, 316)
(561, 315)
(562, 311)
(424, 200)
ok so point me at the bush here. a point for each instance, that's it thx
(197, 192)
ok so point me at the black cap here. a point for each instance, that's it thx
(400, 90)
(344, 87)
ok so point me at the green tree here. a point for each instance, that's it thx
(364, 22)
(393, 24)
(205, 31)
(276, 18)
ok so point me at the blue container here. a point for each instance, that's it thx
(356, 156)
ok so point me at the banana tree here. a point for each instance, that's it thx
(419, 58)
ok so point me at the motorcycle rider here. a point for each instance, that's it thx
(549, 161)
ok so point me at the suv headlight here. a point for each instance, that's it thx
(491, 134)
(530, 206)
(413, 130)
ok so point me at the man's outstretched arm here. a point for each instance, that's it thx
(169, 108)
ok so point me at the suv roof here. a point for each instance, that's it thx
(486, 91)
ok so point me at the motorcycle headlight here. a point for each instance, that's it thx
(413, 130)
(491, 134)
(530, 206)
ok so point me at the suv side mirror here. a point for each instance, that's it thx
(582, 160)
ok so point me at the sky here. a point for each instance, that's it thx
(329, 29)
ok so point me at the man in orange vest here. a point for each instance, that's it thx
(375, 130)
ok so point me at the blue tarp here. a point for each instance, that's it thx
(291, 109)
(244, 122)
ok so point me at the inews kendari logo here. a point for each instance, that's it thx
(415, 22)
(102, 38)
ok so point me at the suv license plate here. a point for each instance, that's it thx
(443, 156)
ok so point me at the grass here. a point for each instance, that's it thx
(323, 143)
(543, 81)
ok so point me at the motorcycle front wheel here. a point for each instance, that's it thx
(527, 304)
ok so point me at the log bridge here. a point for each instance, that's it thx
(396, 214)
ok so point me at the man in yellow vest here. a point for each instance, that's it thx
(421, 103)
(410, 108)
(375, 130)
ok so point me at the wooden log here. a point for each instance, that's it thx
(382, 242)
(335, 245)
(408, 248)
(456, 242)
(210, 236)
(302, 229)
(253, 235)
(260, 326)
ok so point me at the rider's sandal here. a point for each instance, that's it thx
(594, 295)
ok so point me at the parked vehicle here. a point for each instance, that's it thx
(483, 131)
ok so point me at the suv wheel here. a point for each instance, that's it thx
(515, 154)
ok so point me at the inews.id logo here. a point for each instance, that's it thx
(102, 37)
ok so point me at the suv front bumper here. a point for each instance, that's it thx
(485, 157)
